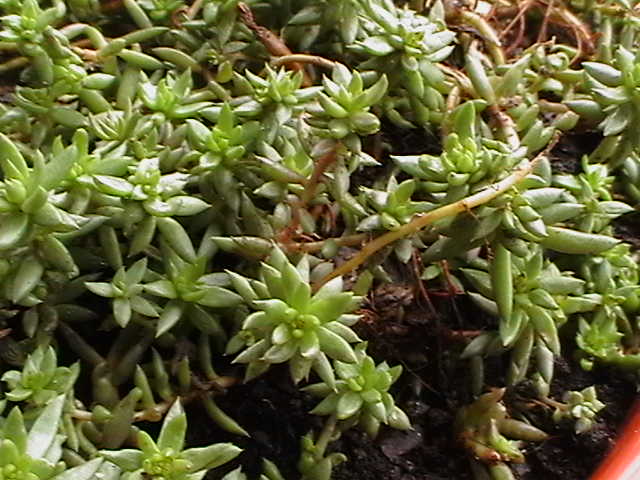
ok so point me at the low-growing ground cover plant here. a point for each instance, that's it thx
(200, 196)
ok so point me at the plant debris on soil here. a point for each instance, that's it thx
(404, 326)
(434, 387)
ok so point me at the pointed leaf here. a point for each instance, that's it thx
(86, 471)
(183, 205)
(26, 278)
(280, 353)
(100, 288)
(127, 459)
(335, 346)
(11, 160)
(12, 228)
(113, 185)
(122, 311)
(174, 429)
(8, 453)
(170, 315)
(177, 238)
(327, 406)
(57, 169)
(330, 308)
(136, 272)
(14, 430)
(212, 456)
(323, 368)
(218, 297)
(376, 45)
(44, 430)
(348, 405)
(161, 288)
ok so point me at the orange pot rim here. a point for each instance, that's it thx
(623, 461)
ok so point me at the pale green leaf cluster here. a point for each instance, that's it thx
(166, 457)
(291, 324)
(361, 394)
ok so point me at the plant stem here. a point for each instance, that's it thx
(488, 33)
(345, 241)
(506, 125)
(14, 63)
(325, 436)
(421, 221)
(194, 9)
(272, 42)
(463, 81)
(303, 58)
(321, 166)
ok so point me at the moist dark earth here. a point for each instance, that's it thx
(425, 330)
(432, 389)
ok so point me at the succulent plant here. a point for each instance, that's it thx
(290, 324)
(361, 394)
(35, 454)
(179, 179)
(41, 380)
(167, 457)
(582, 406)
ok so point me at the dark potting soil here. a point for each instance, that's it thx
(425, 331)
(402, 327)
(566, 156)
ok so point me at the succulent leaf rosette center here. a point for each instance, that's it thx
(290, 324)
(16, 472)
(165, 465)
(362, 394)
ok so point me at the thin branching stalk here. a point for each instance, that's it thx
(310, 247)
(422, 221)
(492, 40)
(303, 58)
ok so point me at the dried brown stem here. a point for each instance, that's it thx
(194, 9)
(303, 58)
(422, 221)
(558, 14)
(346, 241)
(272, 42)
(111, 6)
(320, 167)
(542, 34)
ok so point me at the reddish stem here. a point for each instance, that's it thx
(272, 42)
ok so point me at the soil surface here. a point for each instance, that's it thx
(402, 329)
(425, 329)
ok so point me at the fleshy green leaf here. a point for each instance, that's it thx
(85, 471)
(170, 315)
(127, 459)
(348, 405)
(13, 227)
(43, 432)
(335, 346)
(212, 456)
(174, 429)
(218, 297)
